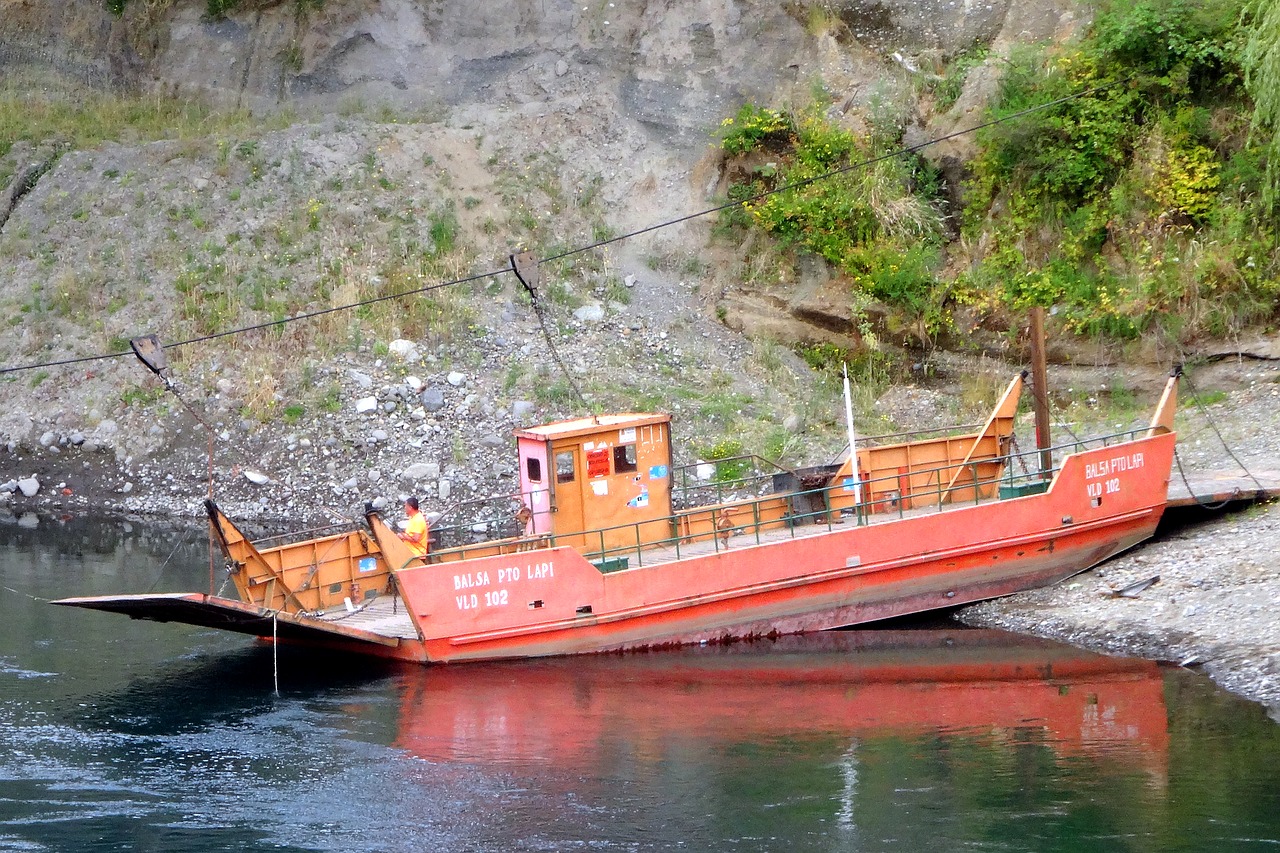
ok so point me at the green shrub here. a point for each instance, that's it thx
(754, 127)
(216, 10)
(1183, 46)
(1063, 156)
(1136, 208)
(947, 89)
(877, 222)
(444, 229)
(724, 453)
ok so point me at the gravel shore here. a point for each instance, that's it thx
(1217, 596)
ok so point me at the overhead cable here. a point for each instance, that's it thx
(862, 164)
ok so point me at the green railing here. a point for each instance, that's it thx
(930, 489)
(690, 487)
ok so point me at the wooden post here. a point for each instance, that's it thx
(1040, 398)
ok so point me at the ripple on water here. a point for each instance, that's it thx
(166, 738)
(10, 667)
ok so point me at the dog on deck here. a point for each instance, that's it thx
(724, 525)
(523, 516)
(526, 540)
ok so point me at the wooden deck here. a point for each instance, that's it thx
(385, 615)
(1213, 487)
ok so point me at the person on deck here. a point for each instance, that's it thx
(415, 531)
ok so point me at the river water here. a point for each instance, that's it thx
(124, 735)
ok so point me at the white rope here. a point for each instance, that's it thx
(27, 594)
(275, 651)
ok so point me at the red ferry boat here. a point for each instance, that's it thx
(614, 548)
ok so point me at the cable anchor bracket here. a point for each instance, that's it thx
(525, 266)
(150, 352)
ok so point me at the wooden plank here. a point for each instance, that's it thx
(383, 616)
(1213, 487)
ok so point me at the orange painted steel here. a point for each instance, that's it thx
(484, 608)
(910, 474)
(755, 567)
(308, 576)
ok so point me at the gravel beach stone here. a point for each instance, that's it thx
(1216, 605)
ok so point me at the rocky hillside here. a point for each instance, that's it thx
(625, 97)
(364, 150)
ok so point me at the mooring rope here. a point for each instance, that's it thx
(1053, 414)
(1195, 397)
(551, 345)
(1199, 501)
(246, 457)
(182, 540)
(275, 650)
(26, 594)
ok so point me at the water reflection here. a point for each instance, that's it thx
(120, 735)
(194, 694)
(892, 739)
(850, 684)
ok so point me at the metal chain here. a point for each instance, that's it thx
(1195, 396)
(555, 355)
(1211, 506)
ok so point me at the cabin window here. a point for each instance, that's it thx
(533, 469)
(624, 458)
(564, 467)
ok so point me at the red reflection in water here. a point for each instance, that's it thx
(862, 684)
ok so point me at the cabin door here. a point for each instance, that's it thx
(536, 479)
(569, 487)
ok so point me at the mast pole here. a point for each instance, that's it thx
(1040, 398)
(853, 453)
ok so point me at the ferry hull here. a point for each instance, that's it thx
(748, 569)
(815, 605)
(833, 579)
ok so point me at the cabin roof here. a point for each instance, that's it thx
(591, 425)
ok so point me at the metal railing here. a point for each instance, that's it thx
(479, 520)
(298, 537)
(691, 487)
(685, 493)
(930, 489)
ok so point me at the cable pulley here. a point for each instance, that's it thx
(150, 352)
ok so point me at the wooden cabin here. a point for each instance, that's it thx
(609, 474)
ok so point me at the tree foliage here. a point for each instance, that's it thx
(1261, 61)
(1122, 186)
(1138, 207)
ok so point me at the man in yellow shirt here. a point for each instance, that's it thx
(415, 531)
